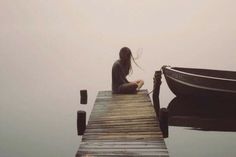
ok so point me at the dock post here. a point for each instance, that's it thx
(81, 122)
(156, 91)
(163, 119)
(83, 96)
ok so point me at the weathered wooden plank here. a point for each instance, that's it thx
(158, 142)
(124, 121)
(127, 136)
(146, 119)
(123, 153)
(119, 130)
(99, 121)
(138, 133)
(123, 138)
(122, 100)
(121, 124)
(109, 93)
(140, 150)
(125, 128)
(134, 115)
(146, 112)
(121, 116)
(124, 107)
(134, 125)
(123, 147)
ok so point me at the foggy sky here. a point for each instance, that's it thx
(49, 50)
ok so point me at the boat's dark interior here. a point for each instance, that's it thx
(209, 72)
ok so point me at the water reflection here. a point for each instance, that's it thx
(210, 115)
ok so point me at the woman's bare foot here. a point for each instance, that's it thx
(140, 83)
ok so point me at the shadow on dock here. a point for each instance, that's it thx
(208, 115)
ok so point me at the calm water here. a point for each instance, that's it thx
(50, 50)
(201, 127)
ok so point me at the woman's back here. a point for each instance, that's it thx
(118, 76)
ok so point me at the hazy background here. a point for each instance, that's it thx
(49, 50)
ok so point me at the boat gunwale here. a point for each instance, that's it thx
(197, 75)
(202, 87)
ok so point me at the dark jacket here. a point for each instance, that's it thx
(119, 74)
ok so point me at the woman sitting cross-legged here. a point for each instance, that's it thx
(120, 69)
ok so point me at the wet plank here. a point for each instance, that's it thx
(122, 125)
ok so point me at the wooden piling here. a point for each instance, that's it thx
(163, 118)
(156, 91)
(81, 122)
(83, 96)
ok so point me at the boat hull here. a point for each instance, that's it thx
(188, 84)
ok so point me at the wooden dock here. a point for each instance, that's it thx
(122, 125)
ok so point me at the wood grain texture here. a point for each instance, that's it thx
(122, 125)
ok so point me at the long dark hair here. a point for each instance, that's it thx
(125, 59)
